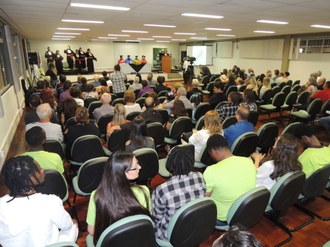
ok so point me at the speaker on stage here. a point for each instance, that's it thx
(33, 58)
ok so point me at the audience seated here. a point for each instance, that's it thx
(47, 95)
(249, 98)
(105, 109)
(29, 218)
(151, 82)
(65, 94)
(310, 85)
(69, 110)
(218, 94)
(284, 159)
(160, 87)
(181, 95)
(103, 88)
(231, 82)
(44, 112)
(194, 88)
(75, 94)
(199, 138)
(242, 126)
(184, 186)
(229, 109)
(231, 177)
(315, 155)
(145, 88)
(252, 84)
(320, 83)
(83, 87)
(266, 85)
(136, 85)
(90, 92)
(130, 105)
(150, 114)
(35, 138)
(117, 197)
(118, 121)
(138, 138)
(324, 94)
(178, 110)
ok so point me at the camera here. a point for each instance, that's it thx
(192, 60)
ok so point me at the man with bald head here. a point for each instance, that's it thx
(242, 126)
(150, 115)
(105, 108)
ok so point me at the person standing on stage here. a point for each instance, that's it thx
(77, 61)
(49, 55)
(143, 59)
(90, 64)
(128, 59)
(58, 62)
(69, 56)
(82, 58)
(120, 60)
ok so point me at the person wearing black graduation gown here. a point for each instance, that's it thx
(82, 58)
(58, 62)
(49, 55)
(77, 61)
(69, 56)
(90, 61)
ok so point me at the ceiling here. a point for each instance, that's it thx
(39, 19)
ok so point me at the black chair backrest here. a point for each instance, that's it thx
(200, 123)
(251, 208)
(148, 160)
(282, 85)
(70, 122)
(205, 79)
(253, 117)
(286, 90)
(201, 110)
(286, 191)
(267, 96)
(278, 99)
(276, 90)
(88, 101)
(157, 132)
(289, 83)
(295, 88)
(245, 144)
(316, 183)
(303, 98)
(55, 184)
(180, 125)
(232, 88)
(165, 115)
(229, 121)
(163, 93)
(118, 139)
(102, 123)
(274, 84)
(314, 107)
(297, 82)
(130, 116)
(54, 146)
(291, 99)
(213, 77)
(242, 88)
(220, 104)
(161, 99)
(210, 87)
(117, 101)
(325, 107)
(141, 101)
(87, 147)
(194, 225)
(92, 106)
(113, 97)
(291, 128)
(267, 136)
(206, 158)
(90, 174)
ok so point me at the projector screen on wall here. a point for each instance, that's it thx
(202, 53)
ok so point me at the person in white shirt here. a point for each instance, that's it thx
(130, 105)
(28, 218)
(53, 131)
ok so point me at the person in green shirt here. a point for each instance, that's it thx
(35, 138)
(116, 197)
(228, 179)
(315, 155)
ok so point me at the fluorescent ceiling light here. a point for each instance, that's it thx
(134, 31)
(67, 33)
(225, 35)
(107, 37)
(60, 39)
(162, 37)
(99, 40)
(217, 29)
(119, 35)
(73, 28)
(178, 39)
(158, 25)
(261, 31)
(273, 22)
(68, 37)
(162, 41)
(96, 6)
(202, 38)
(83, 21)
(145, 39)
(185, 34)
(133, 40)
(320, 26)
(202, 15)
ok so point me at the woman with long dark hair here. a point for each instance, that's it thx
(138, 138)
(284, 160)
(178, 110)
(116, 197)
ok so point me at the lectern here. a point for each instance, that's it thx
(166, 64)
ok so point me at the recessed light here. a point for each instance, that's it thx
(158, 25)
(60, 33)
(225, 35)
(60, 36)
(100, 40)
(162, 37)
(145, 39)
(107, 37)
(61, 39)
(320, 26)
(201, 38)
(119, 35)
(273, 22)
(73, 29)
(217, 29)
(261, 31)
(96, 6)
(134, 31)
(162, 41)
(185, 34)
(202, 15)
(83, 21)
(178, 39)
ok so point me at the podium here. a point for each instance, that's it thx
(166, 64)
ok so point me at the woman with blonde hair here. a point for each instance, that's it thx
(265, 86)
(253, 84)
(212, 125)
(117, 120)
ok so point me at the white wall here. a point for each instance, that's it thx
(107, 53)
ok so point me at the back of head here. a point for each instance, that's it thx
(44, 111)
(195, 83)
(327, 84)
(219, 85)
(106, 98)
(149, 76)
(35, 137)
(249, 96)
(40, 84)
(144, 83)
(138, 131)
(129, 96)
(83, 80)
(182, 91)
(82, 115)
(90, 87)
(119, 114)
(303, 130)
(34, 100)
(235, 98)
(104, 73)
(179, 162)
(67, 85)
(62, 78)
(212, 122)
(117, 67)
(243, 112)
(161, 79)
(149, 102)
(287, 73)
(178, 108)
(75, 92)
(217, 142)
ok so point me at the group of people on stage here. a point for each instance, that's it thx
(75, 59)
(130, 60)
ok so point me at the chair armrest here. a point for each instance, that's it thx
(163, 243)
(89, 241)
